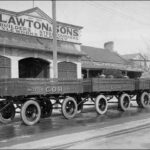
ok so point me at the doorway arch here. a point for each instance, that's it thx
(33, 68)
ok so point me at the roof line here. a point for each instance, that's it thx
(93, 47)
(37, 8)
(28, 10)
(121, 57)
(109, 51)
(8, 11)
(101, 62)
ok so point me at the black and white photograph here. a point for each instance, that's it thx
(74, 74)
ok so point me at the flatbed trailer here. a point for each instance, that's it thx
(27, 87)
(34, 96)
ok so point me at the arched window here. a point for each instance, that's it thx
(67, 70)
(5, 67)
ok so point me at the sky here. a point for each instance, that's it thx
(127, 23)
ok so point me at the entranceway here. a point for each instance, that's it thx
(33, 68)
(67, 70)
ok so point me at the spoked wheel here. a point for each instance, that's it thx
(46, 108)
(8, 113)
(101, 104)
(124, 102)
(143, 100)
(69, 107)
(30, 112)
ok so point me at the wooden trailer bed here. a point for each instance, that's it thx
(108, 85)
(19, 87)
(143, 84)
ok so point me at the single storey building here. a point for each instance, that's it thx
(106, 60)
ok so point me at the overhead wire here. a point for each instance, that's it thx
(113, 10)
(120, 13)
(106, 14)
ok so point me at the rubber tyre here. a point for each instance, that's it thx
(73, 109)
(101, 104)
(144, 100)
(47, 111)
(10, 116)
(122, 105)
(24, 109)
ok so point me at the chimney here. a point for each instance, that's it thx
(109, 45)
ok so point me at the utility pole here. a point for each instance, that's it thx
(33, 3)
(55, 68)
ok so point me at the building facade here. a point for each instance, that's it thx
(139, 60)
(26, 48)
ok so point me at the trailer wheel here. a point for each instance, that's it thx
(8, 114)
(101, 104)
(144, 100)
(69, 107)
(124, 102)
(30, 112)
(46, 108)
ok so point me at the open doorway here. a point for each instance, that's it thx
(33, 68)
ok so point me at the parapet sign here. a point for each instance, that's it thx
(38, 27)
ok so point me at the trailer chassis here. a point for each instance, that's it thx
(34, 107)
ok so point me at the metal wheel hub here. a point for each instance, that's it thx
(7, 112)
(70, 107)
(146, 100)
(126, 102)
(102, 104)
(31, 112)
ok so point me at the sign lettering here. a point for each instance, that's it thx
(33, 26)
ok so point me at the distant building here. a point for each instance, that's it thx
(137, 59)
(105, 60)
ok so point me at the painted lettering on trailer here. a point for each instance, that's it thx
(48, 89)
(54, 89)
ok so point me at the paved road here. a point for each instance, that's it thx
(135, 138)
(17, 132)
